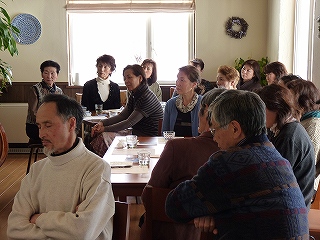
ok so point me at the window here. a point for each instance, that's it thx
(303, 39)
(166, 36)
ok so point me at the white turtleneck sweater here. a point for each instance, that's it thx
(103, 88)
(55, 187)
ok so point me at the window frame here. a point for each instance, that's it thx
(169, 6)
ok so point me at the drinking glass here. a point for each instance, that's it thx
(168, 135)
(131, 141)
(144, 158)
(99, 108)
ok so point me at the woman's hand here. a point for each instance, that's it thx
(96, 129)
(205, 224)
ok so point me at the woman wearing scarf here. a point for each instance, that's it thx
(49, 73)
(289, 137)
(181, 111)
(307, 94)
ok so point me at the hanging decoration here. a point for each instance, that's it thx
(242, 26)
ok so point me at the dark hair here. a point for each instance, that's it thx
(192, 73)
(255, 67)
(279, 99)
(50, 63)
(245, 107)
(289, 77)
(306, 93)
(153, 77)
(137, 71)
(108, 59)
(198, 62)
(207, 99)
(277, 68)
(67, 107)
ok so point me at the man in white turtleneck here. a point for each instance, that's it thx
(68, 194)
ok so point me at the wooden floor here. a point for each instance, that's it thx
(11, 173)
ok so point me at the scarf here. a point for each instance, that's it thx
(312, 114)
(189, 107)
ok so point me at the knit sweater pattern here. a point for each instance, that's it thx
(73, 194)
(250, 191)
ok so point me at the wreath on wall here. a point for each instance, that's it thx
(243, 27)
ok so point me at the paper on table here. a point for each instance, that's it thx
(132, 151)
(132, 170)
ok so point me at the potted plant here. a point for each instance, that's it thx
(7, 43)
(264, 61)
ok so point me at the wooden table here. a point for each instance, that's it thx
(132, 184)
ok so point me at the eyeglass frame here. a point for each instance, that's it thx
(213, 130)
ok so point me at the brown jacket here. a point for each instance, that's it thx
(180, 161)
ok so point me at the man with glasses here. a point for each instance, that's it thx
(248, 188)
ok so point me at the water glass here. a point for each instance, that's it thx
(131, 141)
(144, 158)
(168, 135)
(99, 108)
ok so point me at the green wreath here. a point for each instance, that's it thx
(236, 21)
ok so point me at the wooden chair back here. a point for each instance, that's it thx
(123, 97)
(4, 146)
(79, 97)
(121, 221)
(172, 91)
(155, 210)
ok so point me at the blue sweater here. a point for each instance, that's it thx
(250, 191)
(171, 113)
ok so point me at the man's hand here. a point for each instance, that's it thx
(34, 217)
(205, 224)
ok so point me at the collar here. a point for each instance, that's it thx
(139, 90)
(104, 81)
(73, 146)
(46, 86)
(251, 140)
(73, 153)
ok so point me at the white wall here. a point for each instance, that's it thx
(215, 47)
(212, 44)
(13, 119)
(52, 43)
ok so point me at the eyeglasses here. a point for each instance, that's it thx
(213, 130)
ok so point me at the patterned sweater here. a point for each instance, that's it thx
(250, 191)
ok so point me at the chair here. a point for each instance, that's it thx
(155, 210)
(34, 149)
(4, 147)
(172, 91)
(123, 97)
(121, 221)
(314, 223)
(79, 97)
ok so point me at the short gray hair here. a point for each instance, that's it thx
(207, 99)
(245, 107)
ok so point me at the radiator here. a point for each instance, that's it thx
(13, 119)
